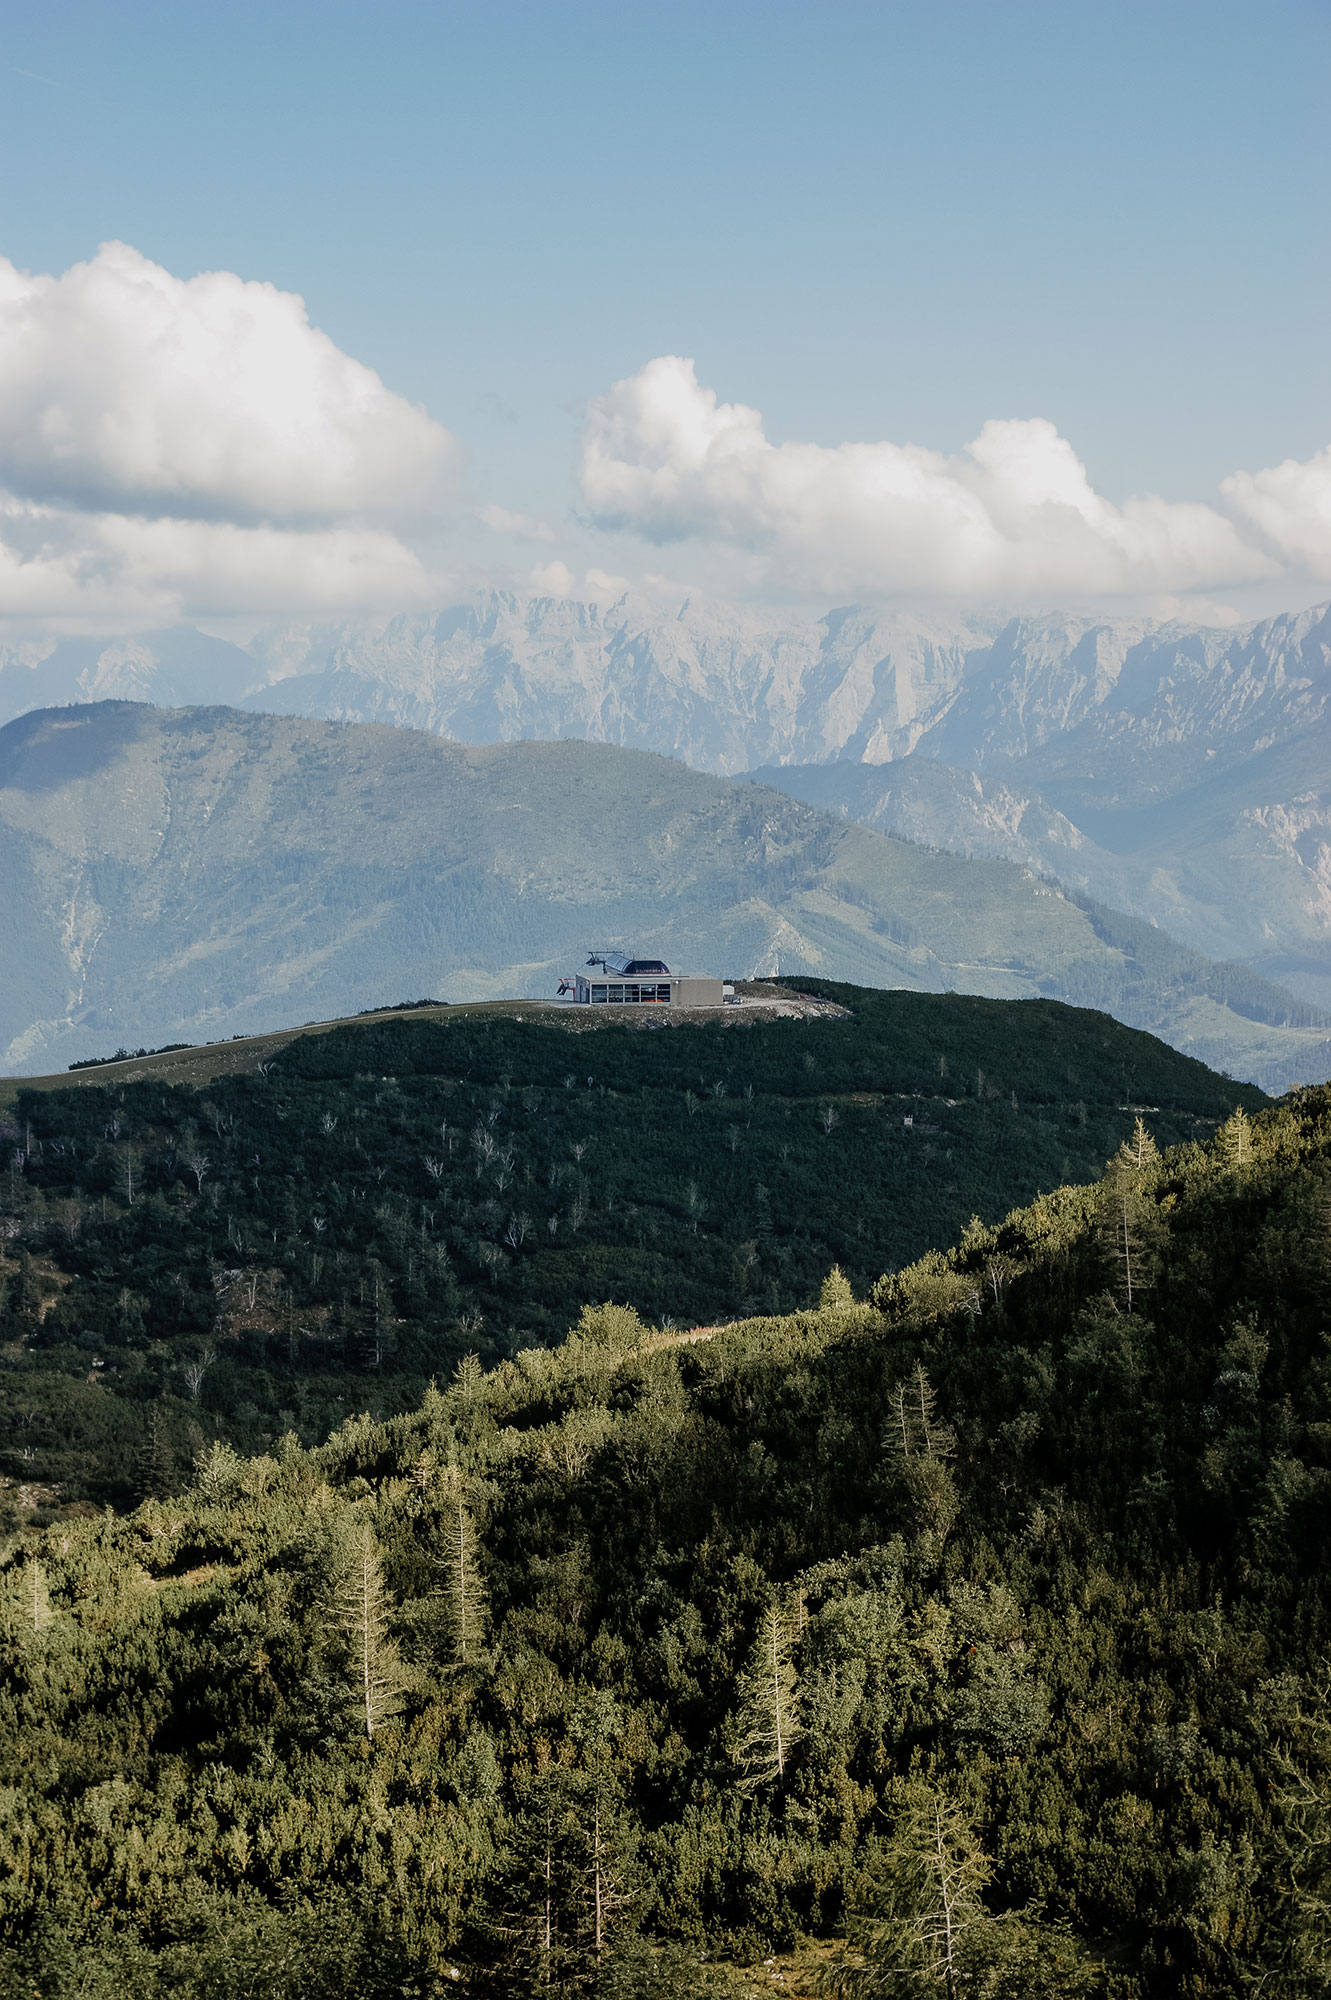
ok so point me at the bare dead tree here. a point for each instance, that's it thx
(196, 1368)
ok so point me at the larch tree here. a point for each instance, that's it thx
(1128, 1213)
(606, 1889)
(835, 1294)
(1235, 1137)
(918, 1445)
(769, 1717)
(34, 1606)
(464, 1584)
(925, 1928)
(919, 1931)
(361, 1606)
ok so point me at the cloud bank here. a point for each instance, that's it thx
(192, 448)
(172, 446)
(1012, 516)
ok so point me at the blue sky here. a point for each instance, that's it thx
(869, 222)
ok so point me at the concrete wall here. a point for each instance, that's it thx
(695, 992)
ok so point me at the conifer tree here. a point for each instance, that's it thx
(537, 1906)
(836, 1293)
(1235, 1137)
(155, 1465)
(919, 1444)
(464, 1585)
(915, 1430)
(361, 1605)
(218, 1470)
(35, 1613)
(606, 1891)
(1127, 1212)
(927, 1916)
(769, 1701)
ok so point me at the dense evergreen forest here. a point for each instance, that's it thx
(964, 1633)
(977, 1627)
(274, 1251)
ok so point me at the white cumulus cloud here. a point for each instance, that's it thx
(552, 579)
(171, 447)
(125, 388)
(1013, 515)
(100, 571)
(1289, 506)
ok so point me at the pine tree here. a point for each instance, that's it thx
(926, 1929)
(34, 1599)
(1235, 1137)
(537, 1899)
(361, 1605)
(155, 1466)
(836, 1293)
(918, 1936)
(464, 1585)
(1127, 1212)
(769, 1701)
(919, 1444)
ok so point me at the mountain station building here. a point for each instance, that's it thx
(640, 982)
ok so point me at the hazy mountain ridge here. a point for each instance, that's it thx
(710, 683)
(196, 873)
(1175, 771)
(1097, 712)
(1239, 867)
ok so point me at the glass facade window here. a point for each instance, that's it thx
(613, 993)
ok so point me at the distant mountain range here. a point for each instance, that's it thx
(182, 874)
(1106, 715)
(1180, 773)
(1238, 865)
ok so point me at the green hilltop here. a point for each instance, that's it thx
(964, 1633)
(323, 1230)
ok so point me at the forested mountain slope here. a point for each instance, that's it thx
(1013, 1574)
(176, 874)
(270, 1250)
